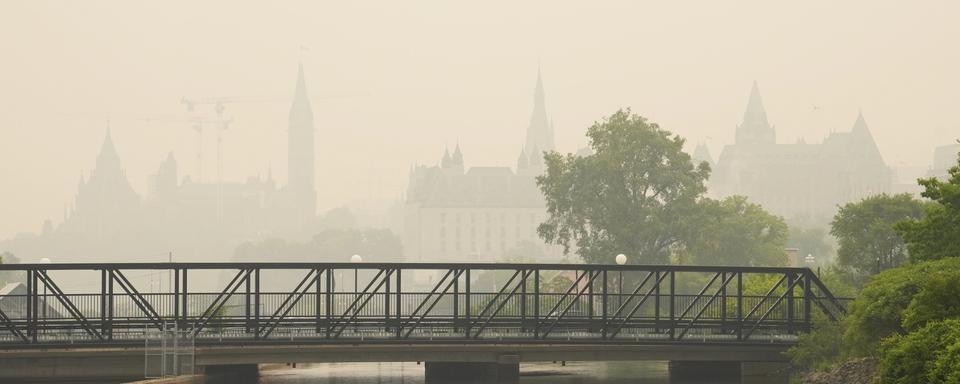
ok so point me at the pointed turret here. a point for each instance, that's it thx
(755, 129)
(522, 161)
(702, 154)
(457, 155)
(755, 113)
(540, 131)
(863, 139)
(446, 160)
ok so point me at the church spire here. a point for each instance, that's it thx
(540, 131)
(755, 113)
(755, 129)
(300, 98)
(300, 152)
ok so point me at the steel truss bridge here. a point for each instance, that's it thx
(410, 303)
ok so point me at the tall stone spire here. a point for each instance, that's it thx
(540, 131)
(755, 129)
(300, 150)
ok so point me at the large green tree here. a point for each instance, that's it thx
(865, 233)
(937, 234)
(734, 231)
(633, 195)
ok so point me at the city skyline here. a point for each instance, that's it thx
(372, 91)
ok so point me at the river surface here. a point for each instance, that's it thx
(532, 373)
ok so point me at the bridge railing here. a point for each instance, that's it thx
(339, 302)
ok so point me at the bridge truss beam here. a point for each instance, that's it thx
(419, 303)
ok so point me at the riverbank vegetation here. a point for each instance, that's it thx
(906, 319)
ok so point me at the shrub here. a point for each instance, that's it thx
(914, 358)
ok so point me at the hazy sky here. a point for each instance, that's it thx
(394, 82)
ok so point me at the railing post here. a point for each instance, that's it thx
(523, 300)
(536, 303)
(456, 302)
(656, 301)
(723, 302)
(329, 299)
(316, 300)
(807, 293)
(399, 307)
(386, 302)
(673, 303)
(590, 297)
(791, 310)
(31, 303)
(110, 305)
(176, 295)
(256, 303)
(246, 304)
(183, 300)
(467, 308)
(603, 330)
(740, 318)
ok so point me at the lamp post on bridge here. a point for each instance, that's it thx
(621, 259)
(811, 261)
(355, 259)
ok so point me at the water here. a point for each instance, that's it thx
(530, 373)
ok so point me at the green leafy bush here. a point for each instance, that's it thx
(881, 306)
(915, 358)
(938, 298)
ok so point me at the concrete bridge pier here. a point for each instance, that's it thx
(506, 370)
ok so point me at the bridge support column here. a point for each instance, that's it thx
(764, 372)
(469, 372)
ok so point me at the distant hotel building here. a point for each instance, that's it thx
(801, 182)
(479, 214)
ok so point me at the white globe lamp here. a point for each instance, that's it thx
(621, 259)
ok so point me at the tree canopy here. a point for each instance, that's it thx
(937, 234)
(865, 233)
(633, 195)
(734, 231)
